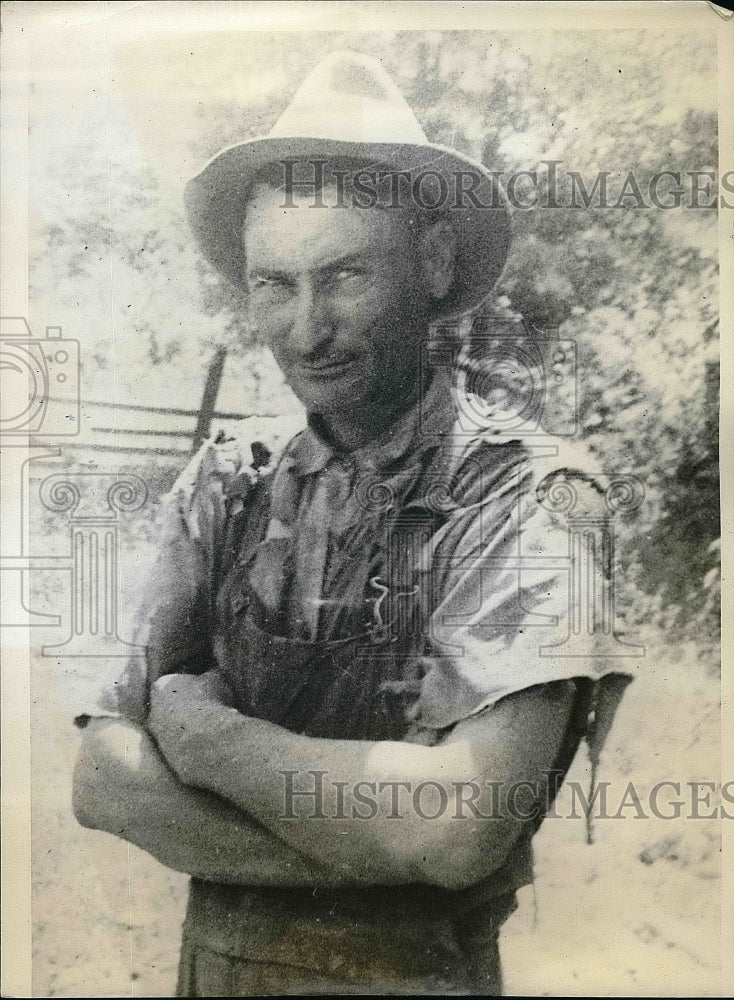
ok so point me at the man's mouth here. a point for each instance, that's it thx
(328, 369)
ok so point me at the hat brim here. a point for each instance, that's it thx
(477, 206)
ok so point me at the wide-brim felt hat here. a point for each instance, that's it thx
(348, 107)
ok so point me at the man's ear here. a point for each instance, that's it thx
(438, 257)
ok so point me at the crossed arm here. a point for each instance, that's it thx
(214, 793)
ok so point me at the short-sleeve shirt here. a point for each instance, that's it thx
(454, 533)
(438, 568)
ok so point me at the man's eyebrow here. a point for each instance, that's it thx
(269, 272)
(347, 260)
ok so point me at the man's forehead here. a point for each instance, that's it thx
(275, 223)
(336, 193)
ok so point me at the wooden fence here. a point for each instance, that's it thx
(161, 430)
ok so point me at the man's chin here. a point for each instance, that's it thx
(332, 398)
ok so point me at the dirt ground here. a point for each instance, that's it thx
(636, 913)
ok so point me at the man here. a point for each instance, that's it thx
(349, 724)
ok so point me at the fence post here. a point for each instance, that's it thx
(209, 399)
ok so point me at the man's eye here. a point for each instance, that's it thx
(270, 287)
(262, 281)
(346, 273)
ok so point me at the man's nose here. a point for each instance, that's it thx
(312, 325)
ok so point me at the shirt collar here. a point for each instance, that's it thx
(430, 418)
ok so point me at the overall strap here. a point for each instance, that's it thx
(245, 525)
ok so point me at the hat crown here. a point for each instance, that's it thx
(349, 97)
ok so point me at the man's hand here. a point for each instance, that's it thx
(123, 786)
(117, 765)
(184, 712)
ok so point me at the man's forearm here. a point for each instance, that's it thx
(199, 834)
(250, 762)
(263, 768)
(122, 786)
(439, 840)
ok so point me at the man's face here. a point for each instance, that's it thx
(338, 295)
